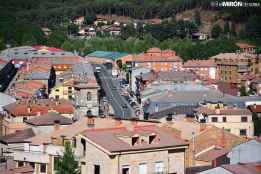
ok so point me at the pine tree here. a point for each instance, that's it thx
(68, 165)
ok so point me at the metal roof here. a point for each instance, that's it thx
(113, 55)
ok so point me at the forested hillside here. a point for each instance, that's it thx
(21, 22)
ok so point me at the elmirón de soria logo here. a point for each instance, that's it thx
(229, 4)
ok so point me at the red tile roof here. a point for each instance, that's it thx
(223, 111)
(199, 63)
(255, 108)
(248, 168)
(211, 137)
(110, 138)
(49, 119)
(39, 106)
(19, 136)
(212, 154)
(245, 45)
(42, 47)
(19, 170)
(157, 55)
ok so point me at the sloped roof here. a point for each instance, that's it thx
(110, 138)
(5, 99)
(49, 119)
(248, 168)
(211, 137)
(18, 136)
(113, 55)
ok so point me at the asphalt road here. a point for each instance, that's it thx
(112, 92)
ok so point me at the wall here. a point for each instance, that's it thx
(234, 124)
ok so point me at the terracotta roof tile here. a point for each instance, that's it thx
(245, 45)
(17, 137)
(224, 111)
(199, 63)
(39, 106)
(255, 108)
(211, 137)
(49, 119)
(111, 140)
(248, 168)
(19, 170)
(212, 154)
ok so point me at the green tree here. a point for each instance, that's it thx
(243, 91)
(216, 31)
(253, 27)
(226, 28)
(197, 18)
(2, 44)
(56, 39)
(68, 46)
(257, 124)
(68, 164)
(28, 39)
(89, 18)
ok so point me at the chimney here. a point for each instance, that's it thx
(218, 111)
(156, 109)
(255, 105)
(56, 124)
(45, 147)
(222, 140)
(118, 122)
(90, 121)
(29, 109)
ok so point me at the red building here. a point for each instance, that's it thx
(159, 60)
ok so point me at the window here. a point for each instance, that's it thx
(151, 138)
(134, 140)
(224, 119)
(243, 132)
(143, 168)
(57, 97)
(96, 169)
(125, 170)
(214, 119)
(243, 119)
(32, 164)
(83, 141)
(57, 90)
(20, 163)
(89, 96)
(228, 130)
(24, 119)
(159, 167)
(43, 168)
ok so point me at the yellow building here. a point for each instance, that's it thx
(63, 89)
(232, 67)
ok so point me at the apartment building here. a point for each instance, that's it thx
(15, 114)
(205, 69)
(158, 60)
(136, 150)
(43, 151)
(236, 120)
(232, 67)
